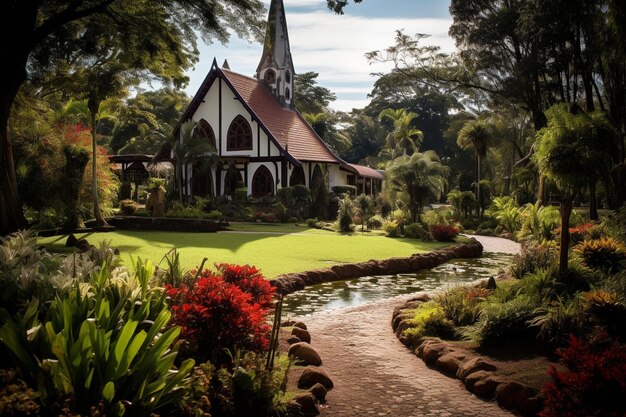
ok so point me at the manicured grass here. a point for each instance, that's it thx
(299, 249)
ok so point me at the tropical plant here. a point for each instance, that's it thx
(419, 178)
(476, 134)
(534, 256)
(463, 202)
(429, 319)
(538, 221)
(344, 215)
(507, 212)
(103, 342)
(365, 206)
(606, 254)
(575, 149)
(403, 140)
(461, 304)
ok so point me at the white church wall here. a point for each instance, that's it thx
(209, 110)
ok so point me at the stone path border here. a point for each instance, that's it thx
(375, 375)
(288, 283)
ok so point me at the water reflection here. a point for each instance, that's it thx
(333, 295)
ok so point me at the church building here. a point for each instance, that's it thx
(261, 140)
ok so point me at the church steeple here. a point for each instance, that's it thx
(276, 66)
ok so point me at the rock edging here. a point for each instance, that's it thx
(314, 381)
(292, 282)
(479, 376)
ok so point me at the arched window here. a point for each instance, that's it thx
(262, 182)
(297, 177)
(201, 180)
(239, 135)
(288, 76)
(270, 76)
(287, 93)
(203, 130)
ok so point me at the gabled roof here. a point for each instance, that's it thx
(364, 171)
(288, 127)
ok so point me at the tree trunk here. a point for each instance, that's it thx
(94, 170)
(567, 202)
(593, 201)
(11, 215)
(478, 193)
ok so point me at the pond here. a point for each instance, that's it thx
(333, 295)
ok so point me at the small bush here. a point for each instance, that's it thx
(312, 222)
(128, 207)
(223, 310)
(488, 223)
(344, 216)
(593, 385)
(558, 321)
(506, 323)
(461, 305)
(438, 216)
(429, 320)
(416, 231)
(342, 190)
(214, 215)
(392, 228)
(605, 254)
(280, 211)
(534, 257)
(606, 310)
(375, 222)
(444, 232)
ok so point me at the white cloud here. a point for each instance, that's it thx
(332, 45)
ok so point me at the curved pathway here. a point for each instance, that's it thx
(375, 375)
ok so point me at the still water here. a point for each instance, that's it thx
(333, 295)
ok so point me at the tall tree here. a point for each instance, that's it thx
(403, 139)
(324, 124)
(419, 177)
(574, 150)
(42, 30)
(477, 134)
(310, 97)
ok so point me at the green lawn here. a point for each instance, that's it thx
(298, 249)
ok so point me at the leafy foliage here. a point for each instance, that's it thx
(594, 384)
(506, 211)
(605, 254)
(429, 319)
(222, 310)
(444, 232)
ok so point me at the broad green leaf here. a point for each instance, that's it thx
(108, 392)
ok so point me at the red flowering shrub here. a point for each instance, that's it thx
(582, 231)
(224, 310)
(595, 384)
(444, 232)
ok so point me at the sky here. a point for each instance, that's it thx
(335, 45)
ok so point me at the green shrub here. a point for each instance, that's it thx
(605, 254)
(558, 321)
(615, 224)
(280, 212)
(488, 222)
(607, 310)
(128, 207)
(375, 222)
(285, 196)
(505, 323)
(392, 228)
(429, 320)
(344, 215)
(214, 215)
(416, 231)
(438, 216)
(534, 257)
(103, 342)
(342, 190)
(506, 212)
(301, 194)
(312, 222)
(461, 305)
(241, 195)
(463, 203)
(539, 222)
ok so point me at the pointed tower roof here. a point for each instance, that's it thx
(276, 50)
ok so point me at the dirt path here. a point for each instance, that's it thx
(375, 375)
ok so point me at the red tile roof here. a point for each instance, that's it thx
(368, 172)
(288, 127)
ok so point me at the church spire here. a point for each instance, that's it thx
(276, 66)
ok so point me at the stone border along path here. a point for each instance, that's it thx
(375, 375)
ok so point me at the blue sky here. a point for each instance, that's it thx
(334, 46)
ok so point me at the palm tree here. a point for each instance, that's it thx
(324, 125)
(403, 139)
(420, 176)
(476, 134)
